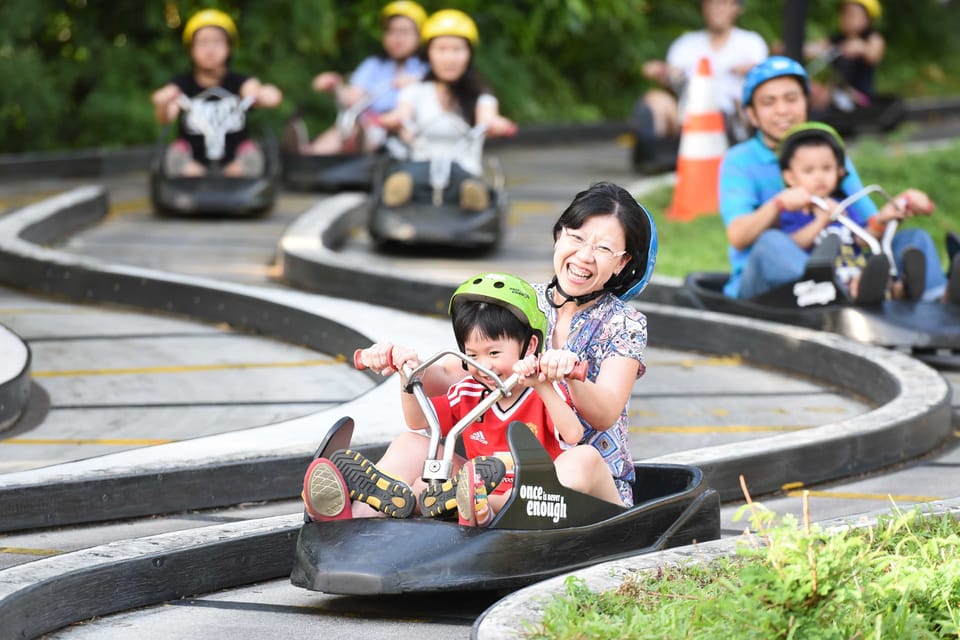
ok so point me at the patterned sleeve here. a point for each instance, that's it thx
(628, 337)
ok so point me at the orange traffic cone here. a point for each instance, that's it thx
(702, 144)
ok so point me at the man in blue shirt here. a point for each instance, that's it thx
(752, 192)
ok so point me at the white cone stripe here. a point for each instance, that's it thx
(702, 146)
(700, 96)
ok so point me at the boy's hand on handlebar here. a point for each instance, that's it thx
(794, 198)
(527, 369)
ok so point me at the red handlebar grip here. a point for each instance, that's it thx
(579, 371)
(358, 364)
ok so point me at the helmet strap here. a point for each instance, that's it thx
(576, 300)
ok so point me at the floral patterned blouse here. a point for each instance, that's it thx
(609, 327)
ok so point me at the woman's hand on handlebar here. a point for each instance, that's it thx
(556, 364)
(500, 126)
(392, 120)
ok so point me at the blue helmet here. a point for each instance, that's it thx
(773, 67)
(642, 275)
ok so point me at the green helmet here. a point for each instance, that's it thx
(805, 131)
(510, 292)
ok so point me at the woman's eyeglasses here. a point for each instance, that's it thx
(598, 250)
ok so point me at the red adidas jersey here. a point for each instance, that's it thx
(487, 436)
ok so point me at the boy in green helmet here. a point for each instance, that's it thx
(497, 322)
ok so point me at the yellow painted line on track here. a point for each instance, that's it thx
(855, 495)
(185, 368)
(125, 207)
(689, 363)
(733, 428)
(24, 551)
(109, 442)
(527, 207)
(626, 140)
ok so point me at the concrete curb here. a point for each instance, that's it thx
(46, 594)
(916, 419)
(266, 462)
(310, 261)
(15, 358)
(509, 618)
(162, 479)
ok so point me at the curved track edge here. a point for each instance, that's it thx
(15, 360)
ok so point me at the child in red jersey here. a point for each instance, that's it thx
(498, 324)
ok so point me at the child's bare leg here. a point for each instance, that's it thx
(854, 286)
(583, 469)
(194, 169)
(327, 142)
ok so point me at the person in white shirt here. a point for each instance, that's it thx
(436, 116)
(732, 52)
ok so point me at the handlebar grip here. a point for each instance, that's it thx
(358, 364)
(579, 371)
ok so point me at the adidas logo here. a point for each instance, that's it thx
(478, 436)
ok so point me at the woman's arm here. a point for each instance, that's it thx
(488, 113)
(601, 402)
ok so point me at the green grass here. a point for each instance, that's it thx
(700, 245)
(898, 579)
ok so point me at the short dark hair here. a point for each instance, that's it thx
(606, 198)
(489, 320)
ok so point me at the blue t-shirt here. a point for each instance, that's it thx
(375, 75)
(750, 176)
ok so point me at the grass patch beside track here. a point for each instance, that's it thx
(897, 579)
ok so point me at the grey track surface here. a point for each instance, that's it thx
(687, 399)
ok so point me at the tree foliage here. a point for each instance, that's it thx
(79, 73)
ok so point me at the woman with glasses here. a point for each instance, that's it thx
(604, 252)
(605, 247)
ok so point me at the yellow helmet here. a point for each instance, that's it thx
(209, 18)
(450, 22)
(407, 9)
(874, 10)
